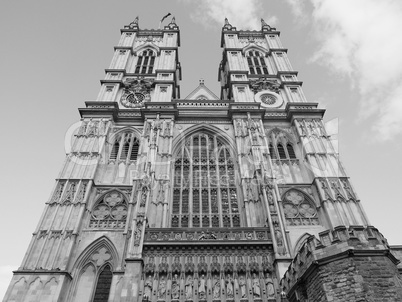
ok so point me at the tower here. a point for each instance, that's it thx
(240, 197)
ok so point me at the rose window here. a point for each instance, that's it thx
(268, 99)
(298, 209)
(109, 212)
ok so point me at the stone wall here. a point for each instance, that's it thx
(352, 264)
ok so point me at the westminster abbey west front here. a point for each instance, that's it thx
(234, 198)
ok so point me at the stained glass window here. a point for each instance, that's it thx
(204, 193)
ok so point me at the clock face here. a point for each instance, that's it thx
(269, 99)
(133, 100)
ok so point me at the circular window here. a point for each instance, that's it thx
(269, 99)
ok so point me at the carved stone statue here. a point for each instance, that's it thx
(229, 286)
(202, 288)
(189, 287)
(216, 287)
(162, 287)
(175, 287)
(270, 286)
(242, 285)
(148, 287)
(256, 286)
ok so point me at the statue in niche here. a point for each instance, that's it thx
(269, 283)
(256, 286)
(202, 288)
(148, 287)
(229, 286)
(242, 285)
(162, 287)
(189, 287)
(175, 287)
(216, 287)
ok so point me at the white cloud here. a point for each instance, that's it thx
(361, 39)
(240, 13)
(5, 278)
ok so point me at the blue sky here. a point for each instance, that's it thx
(53, 55)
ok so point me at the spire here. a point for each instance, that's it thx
(134, 24)
(172, 24)
(228, 26)
(265, 26)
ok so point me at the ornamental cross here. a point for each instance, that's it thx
(101, 256)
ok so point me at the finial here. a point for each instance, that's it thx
(173, 20)
(263, 23)
(226, 21)
(201, 81)
(134, 24)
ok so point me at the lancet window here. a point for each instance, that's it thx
(256, 62)
(278, 151)
(94, 280)
(204, 192)
(145, 62)
(284, 157)
(125, 147)
(109, 212)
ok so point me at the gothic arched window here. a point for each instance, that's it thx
(109, 212)
(291, 151)
(102, 289)
(94, 279)
(125, 147)
(285, 163)
(256, 62)
(204, 192)
(145, 62)
(298, 209)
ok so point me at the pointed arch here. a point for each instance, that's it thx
(298, 208)
(103, 284)
(102, 242)
(250, 47)
(205, 190)
(179, 140)
(278, 133)
(255, 56)
(291, 151)
(110, 210)
(34, 290)
(147, 45)
(301, 241)
(19, 286)
(146, 56)
(124, 145)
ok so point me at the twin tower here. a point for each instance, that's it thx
(234, 198)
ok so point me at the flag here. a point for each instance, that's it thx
(165, 17)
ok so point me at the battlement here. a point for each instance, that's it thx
(330, 249)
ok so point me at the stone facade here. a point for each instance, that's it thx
(234, 198)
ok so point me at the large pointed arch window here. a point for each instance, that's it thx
(204, 192)
(146, 61)
(256, 62)
(94, 280)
